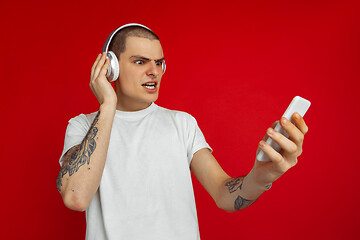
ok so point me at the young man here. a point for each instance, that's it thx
(128, 164)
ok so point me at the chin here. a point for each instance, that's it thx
(152, 98)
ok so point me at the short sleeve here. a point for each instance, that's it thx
(75, 133)
(196, 139)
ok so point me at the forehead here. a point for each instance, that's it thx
(144, 47)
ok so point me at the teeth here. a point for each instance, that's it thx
(150, 87)
(150, 84)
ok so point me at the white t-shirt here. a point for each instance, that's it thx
(146, 190)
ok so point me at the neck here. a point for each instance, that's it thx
(131, 107)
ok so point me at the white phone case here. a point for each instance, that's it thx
(299, 105)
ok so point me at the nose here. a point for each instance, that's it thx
(153, 70)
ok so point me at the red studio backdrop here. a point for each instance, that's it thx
(233, 65)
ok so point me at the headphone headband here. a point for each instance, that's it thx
(109, 38)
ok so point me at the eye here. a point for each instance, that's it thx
(159, 63)
(139, 62)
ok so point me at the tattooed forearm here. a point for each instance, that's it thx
(241, 203)
(79, 155)
(234, 184)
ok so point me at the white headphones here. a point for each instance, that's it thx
(113, 70)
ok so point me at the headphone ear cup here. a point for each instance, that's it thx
(114, 69)
(164, 66)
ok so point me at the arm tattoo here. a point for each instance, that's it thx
(234, 184)
(241, 203)
(79, 155)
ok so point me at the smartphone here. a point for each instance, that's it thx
(299, 105)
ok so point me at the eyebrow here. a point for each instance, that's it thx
(146, 59)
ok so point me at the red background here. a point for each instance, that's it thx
(234, 65)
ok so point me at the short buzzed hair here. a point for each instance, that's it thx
(118, 43)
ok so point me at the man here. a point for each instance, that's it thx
(128, 165)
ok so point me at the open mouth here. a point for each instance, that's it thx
(149, 85)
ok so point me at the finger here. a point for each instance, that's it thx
(99, 65)
(286, 144)
(105, 67)
(295, 134)
(94, 65)
(300, 123)
(272, 126)
(279, 163)
(266, 136)
(273, 155)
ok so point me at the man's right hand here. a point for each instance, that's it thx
(99, 84)
(79, 179)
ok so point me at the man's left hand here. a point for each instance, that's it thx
(291, 148)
